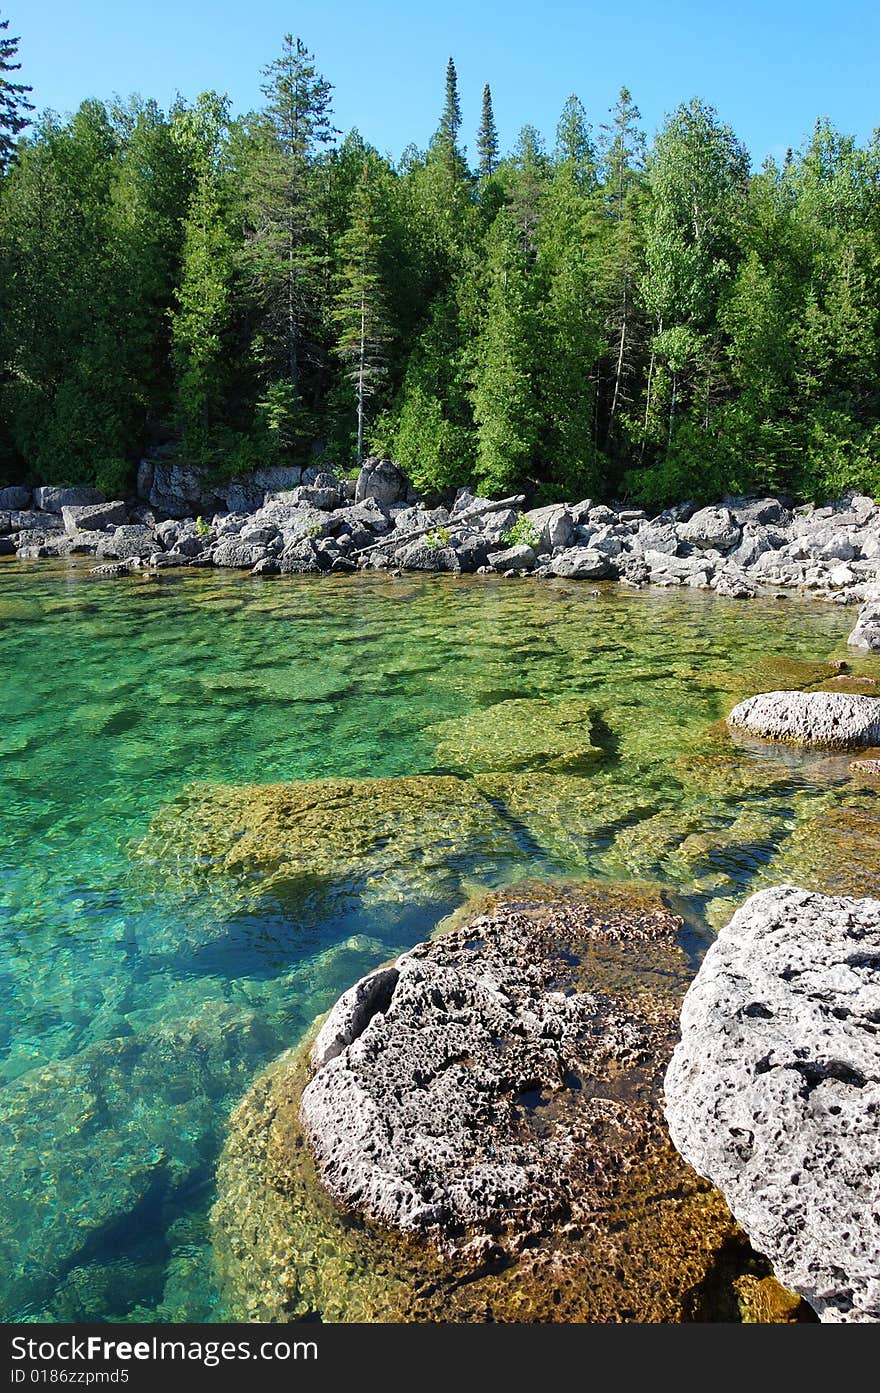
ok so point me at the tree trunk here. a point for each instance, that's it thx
(360, 446)
(617, 377)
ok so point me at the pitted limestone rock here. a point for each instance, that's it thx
(774, 1091)
(835, 720)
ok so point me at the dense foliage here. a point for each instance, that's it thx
(601, 318)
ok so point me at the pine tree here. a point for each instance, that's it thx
(624, 149)
(299, 101)
(13, 99)
(450, 121)
(285, 255)
(487, 137)
(201, 318)
(505, 407)
(360, 310)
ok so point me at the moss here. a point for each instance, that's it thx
(771, 674)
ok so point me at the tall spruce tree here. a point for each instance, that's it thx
(360, 312)
(487, 137)
(14, 105)
(450, 121)
(285, 255)
(505, 407)
(623, 149)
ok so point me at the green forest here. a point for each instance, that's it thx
(593, 314)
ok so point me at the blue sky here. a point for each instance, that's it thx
(769, 66)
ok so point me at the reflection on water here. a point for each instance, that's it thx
(136, 1007)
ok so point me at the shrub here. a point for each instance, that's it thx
(523, 533)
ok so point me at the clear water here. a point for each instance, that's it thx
(133, 1015)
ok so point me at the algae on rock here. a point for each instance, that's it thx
(523, 733)
(382, 839)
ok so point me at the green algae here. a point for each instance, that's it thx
(551, 736)
(380, 839)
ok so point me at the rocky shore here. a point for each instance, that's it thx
(283, 521)
(476, 1133)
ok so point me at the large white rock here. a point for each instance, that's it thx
(712, 527)
(866, 633)
(773, 1093)
(835, 720)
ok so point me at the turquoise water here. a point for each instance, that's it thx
(136, 1011)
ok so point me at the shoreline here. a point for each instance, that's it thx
(740, 548)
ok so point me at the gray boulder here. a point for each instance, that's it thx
(554, 525)
(866, 633)
(519, 558)
(581, 564)
(773, 1093)
(181, 490)
(756, 510)
(380, 479)
(278, 477)
(191, 544)
(7, 546)
(413, 519)
(368, 515)
(714, 528)
(835, 720)
(471, 549)
(304, 523)
(299, 557)
(244, 496)
(93, 517)
(15, 498)
(52, 499)
(755, 541)
(30, 521)
(420, 555)
(658, 536)
(258, 533)
(85, 543)
(232, 552)
(419, 1120)
(322, 496)
(128, 541)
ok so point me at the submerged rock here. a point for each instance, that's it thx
(78, 1117)
(381, 839)
(835, 720)
(556, 736)
(486, 1114)
(774, 1091)
(836, 850)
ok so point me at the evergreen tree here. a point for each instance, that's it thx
(360, 311)
(285, 256)
(574, 142)
(202, 315)
(450, 120)
(487, 137)
(505, 406)
(14, 105)
(623, 149)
